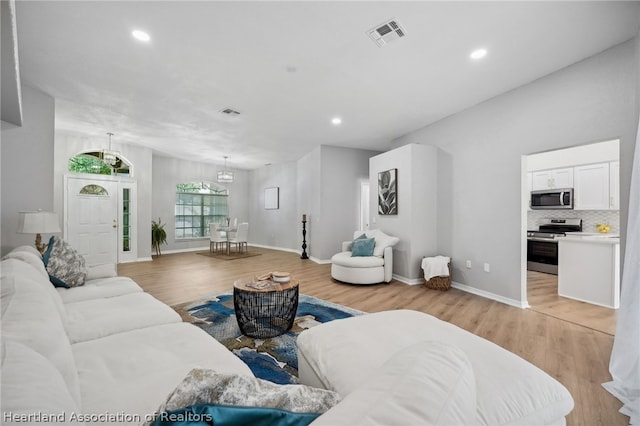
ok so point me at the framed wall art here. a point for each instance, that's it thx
(272, 198)
(388, 192)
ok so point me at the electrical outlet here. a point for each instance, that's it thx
(468, 264)
(487, 267)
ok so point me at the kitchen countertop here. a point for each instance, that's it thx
(592, 237)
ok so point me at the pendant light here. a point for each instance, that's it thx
(226, 175)
(108, 156)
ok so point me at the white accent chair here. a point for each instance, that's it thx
(215, 237)
(365, 269)
(241, 237)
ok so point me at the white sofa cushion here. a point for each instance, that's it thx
(338, 356)
(99, 288)
(101, 271)
(133, 372)
(14, 266)
(31, 385)
(30, 317)
(28, 256)
(382, 240)
(92, 319)
(429, 383)
(345, 259)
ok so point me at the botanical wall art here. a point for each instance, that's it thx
(387, 192)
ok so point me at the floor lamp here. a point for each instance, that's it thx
(38, 222)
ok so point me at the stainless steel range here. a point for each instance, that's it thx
(542, 245)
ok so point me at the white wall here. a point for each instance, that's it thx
(27, 165)
(416, 223)
(324, 185)
(167, 173)
(276, 228)
(309, 202)
(341, 171)
(592, 100)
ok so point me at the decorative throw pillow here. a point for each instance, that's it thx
(383, 241)
(226, 399)
(363, 247)
(65, 266)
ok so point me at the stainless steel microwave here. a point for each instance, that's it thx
(548, 199)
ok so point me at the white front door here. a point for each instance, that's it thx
(92, 219)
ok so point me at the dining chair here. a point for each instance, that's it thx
(216, 237)
(233, 229)
(241, 237)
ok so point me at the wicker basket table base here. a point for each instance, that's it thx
(265, 312)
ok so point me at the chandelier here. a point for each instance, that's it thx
(107, 155)
(225, 176)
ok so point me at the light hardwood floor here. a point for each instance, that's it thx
(542, 294)
(575, 355)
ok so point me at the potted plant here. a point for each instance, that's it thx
(158, 235)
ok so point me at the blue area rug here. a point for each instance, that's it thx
(273, 359)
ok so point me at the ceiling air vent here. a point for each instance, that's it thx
(387, 32)
(230, 111)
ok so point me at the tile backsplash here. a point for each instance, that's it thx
(590, 218)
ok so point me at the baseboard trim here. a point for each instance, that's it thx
(408, 281)
(489, 295)
(186, 250)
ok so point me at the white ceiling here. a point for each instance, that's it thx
(208, 55)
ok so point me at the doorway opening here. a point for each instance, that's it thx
(591, 171)
(364, 205)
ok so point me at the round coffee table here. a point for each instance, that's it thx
(265, 309)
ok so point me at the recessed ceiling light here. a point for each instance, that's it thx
(140, 35)
(336, 121)
(478, 54)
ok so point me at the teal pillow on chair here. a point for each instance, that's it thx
(363, 247)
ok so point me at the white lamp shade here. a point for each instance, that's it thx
(38, 223)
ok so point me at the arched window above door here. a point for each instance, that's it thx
(91, 162)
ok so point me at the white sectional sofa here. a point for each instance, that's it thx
(105, 352)
(407, 367)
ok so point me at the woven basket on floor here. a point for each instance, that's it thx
(439, 283)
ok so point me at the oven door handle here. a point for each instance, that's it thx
(543, 240)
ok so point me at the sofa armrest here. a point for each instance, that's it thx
(101, 271)
(346, 245)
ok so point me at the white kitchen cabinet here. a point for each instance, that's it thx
(552, 179)
(614, 185)
(589, 269)
(591, 187)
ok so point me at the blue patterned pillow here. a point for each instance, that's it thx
(65, 266)
(207, 397)
(363, 247)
